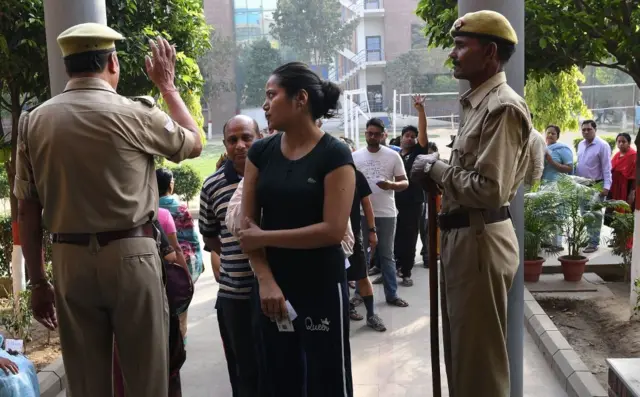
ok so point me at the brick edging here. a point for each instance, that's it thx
(52, 379)
(568, 367)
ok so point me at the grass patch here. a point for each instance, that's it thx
(206, 163)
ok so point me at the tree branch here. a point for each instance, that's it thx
(583, 7)
(616, 66)
(26, 99)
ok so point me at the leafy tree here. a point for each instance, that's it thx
(561, 34)
(259, 60)
(179, 21)
(312, 28)
(408, 73)
(214, 65)
(403, 73)
(23, 70)
(556, 99)
(608, 76)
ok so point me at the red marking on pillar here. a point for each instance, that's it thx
(15, 231)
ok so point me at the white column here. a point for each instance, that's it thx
(60, 15)
(17, 273)
(395, 116)
(345, 113)
(356, 128)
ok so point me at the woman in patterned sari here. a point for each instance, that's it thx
(187, 236)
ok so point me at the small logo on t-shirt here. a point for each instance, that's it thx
(323, 326)
(311, 180)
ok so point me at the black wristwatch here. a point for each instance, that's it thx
(373, 230)
(43, 282)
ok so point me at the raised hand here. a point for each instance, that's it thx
(418, 101)
(161, 66)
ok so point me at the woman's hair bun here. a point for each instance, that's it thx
(332, 94)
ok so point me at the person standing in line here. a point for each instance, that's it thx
(231, 267)
(410, 202)
(594, 162)
(357, 272)
(558, 159)
(386, 175)
(85, 171)
(298, 190)
(479, 251)
(537, 151)
(623, 179)
(185, 232)
(424, 221)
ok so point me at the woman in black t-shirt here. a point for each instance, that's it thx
(299, 186)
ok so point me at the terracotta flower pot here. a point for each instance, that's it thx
(533, 269)
(573, 268)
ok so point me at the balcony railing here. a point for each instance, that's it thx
(373, 4)
(375, 56)
(358, 60)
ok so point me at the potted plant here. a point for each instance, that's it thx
(541, 223)
(580, 210)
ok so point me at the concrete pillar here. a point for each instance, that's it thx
(60, 15)
(513, 10)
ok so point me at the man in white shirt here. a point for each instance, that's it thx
(386, 175)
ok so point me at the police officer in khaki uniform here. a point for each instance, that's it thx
(85, 171)
(480, 253)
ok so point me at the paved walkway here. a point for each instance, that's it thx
(391, 364)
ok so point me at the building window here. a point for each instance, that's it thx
(418, 39)
(372, 4)
(374, 48)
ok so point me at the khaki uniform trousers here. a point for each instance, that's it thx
(102, 292)
(478, 267)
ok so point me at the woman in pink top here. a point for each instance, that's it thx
(168, 225)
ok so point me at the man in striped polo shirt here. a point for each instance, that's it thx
(230, 266)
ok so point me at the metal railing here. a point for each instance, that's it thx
(373, 4)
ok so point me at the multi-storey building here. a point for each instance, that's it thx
(244, 21)
(386, 30)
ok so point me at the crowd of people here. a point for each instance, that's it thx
(616, 174)
(293, 218)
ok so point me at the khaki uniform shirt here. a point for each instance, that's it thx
(86, 156)
(537, 150)
(489, 156)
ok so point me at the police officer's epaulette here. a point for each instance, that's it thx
(145, 100)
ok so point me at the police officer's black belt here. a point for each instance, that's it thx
(460, 220)
(103, 238)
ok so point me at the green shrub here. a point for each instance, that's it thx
(4, 183)
(187, 181)
(18, 322)
(622, 226)
(610, 139)
(6, 246)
